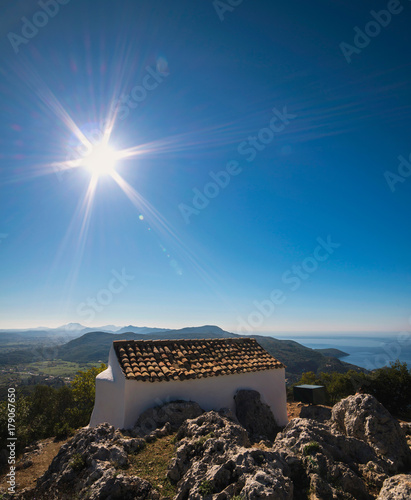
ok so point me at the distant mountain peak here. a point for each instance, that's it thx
(71, 326)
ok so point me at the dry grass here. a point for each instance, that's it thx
(26, 478)
(151, 464)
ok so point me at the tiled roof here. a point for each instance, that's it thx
(164, 360)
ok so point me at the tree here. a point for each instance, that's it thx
(83, 389)
(391, 385)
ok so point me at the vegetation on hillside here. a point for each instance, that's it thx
(152, 463)
(94, 347)
(51, 412)
(299, 359)
(391, 385)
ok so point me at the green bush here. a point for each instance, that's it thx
(206, 487)
(77, 463)
(63, 430)
(50, 411)
(311, 448)
(390, 385)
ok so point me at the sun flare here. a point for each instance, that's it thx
(101, 160)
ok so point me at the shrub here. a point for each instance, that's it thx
(311, 448)
(77, 463)
(206, 487)
(391, 385)
(49, 411)
(199, 443)
(63, 430)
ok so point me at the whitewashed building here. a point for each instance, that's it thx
(143, 374)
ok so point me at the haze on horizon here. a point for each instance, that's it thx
(251, 174)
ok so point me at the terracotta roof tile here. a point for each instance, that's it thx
(157, 360)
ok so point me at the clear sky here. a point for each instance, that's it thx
(258, 183)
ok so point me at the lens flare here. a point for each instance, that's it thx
(101, 160)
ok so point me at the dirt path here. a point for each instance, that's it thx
(32, 465)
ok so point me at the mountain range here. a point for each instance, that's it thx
(76, 330)
(85, 345)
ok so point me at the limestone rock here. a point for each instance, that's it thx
(327, 462)
(121, 487)
(396, 488)
(214, 460)
(195, 435)
(361, 416)
(160, 432)
(373, 474)
(255, 415)
(348, 457)
(268, 485)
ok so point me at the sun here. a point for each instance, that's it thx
(101, 160)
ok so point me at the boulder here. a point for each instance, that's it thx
(396, 488)
(121, 487)
(362, 417)
(255, 415)
(268, 485)
(325, 462)
(214, 459)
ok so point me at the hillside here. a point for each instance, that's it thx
(95, 346)
(332, 352)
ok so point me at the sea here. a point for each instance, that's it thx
(367, 350)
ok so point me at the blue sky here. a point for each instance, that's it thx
(309, 227)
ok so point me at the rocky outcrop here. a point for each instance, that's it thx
(346, 456)
(255, 415)
(88, 466)
(364, 418)
(396, 488)
(214, 460)
(349, 456)
(325, 462)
